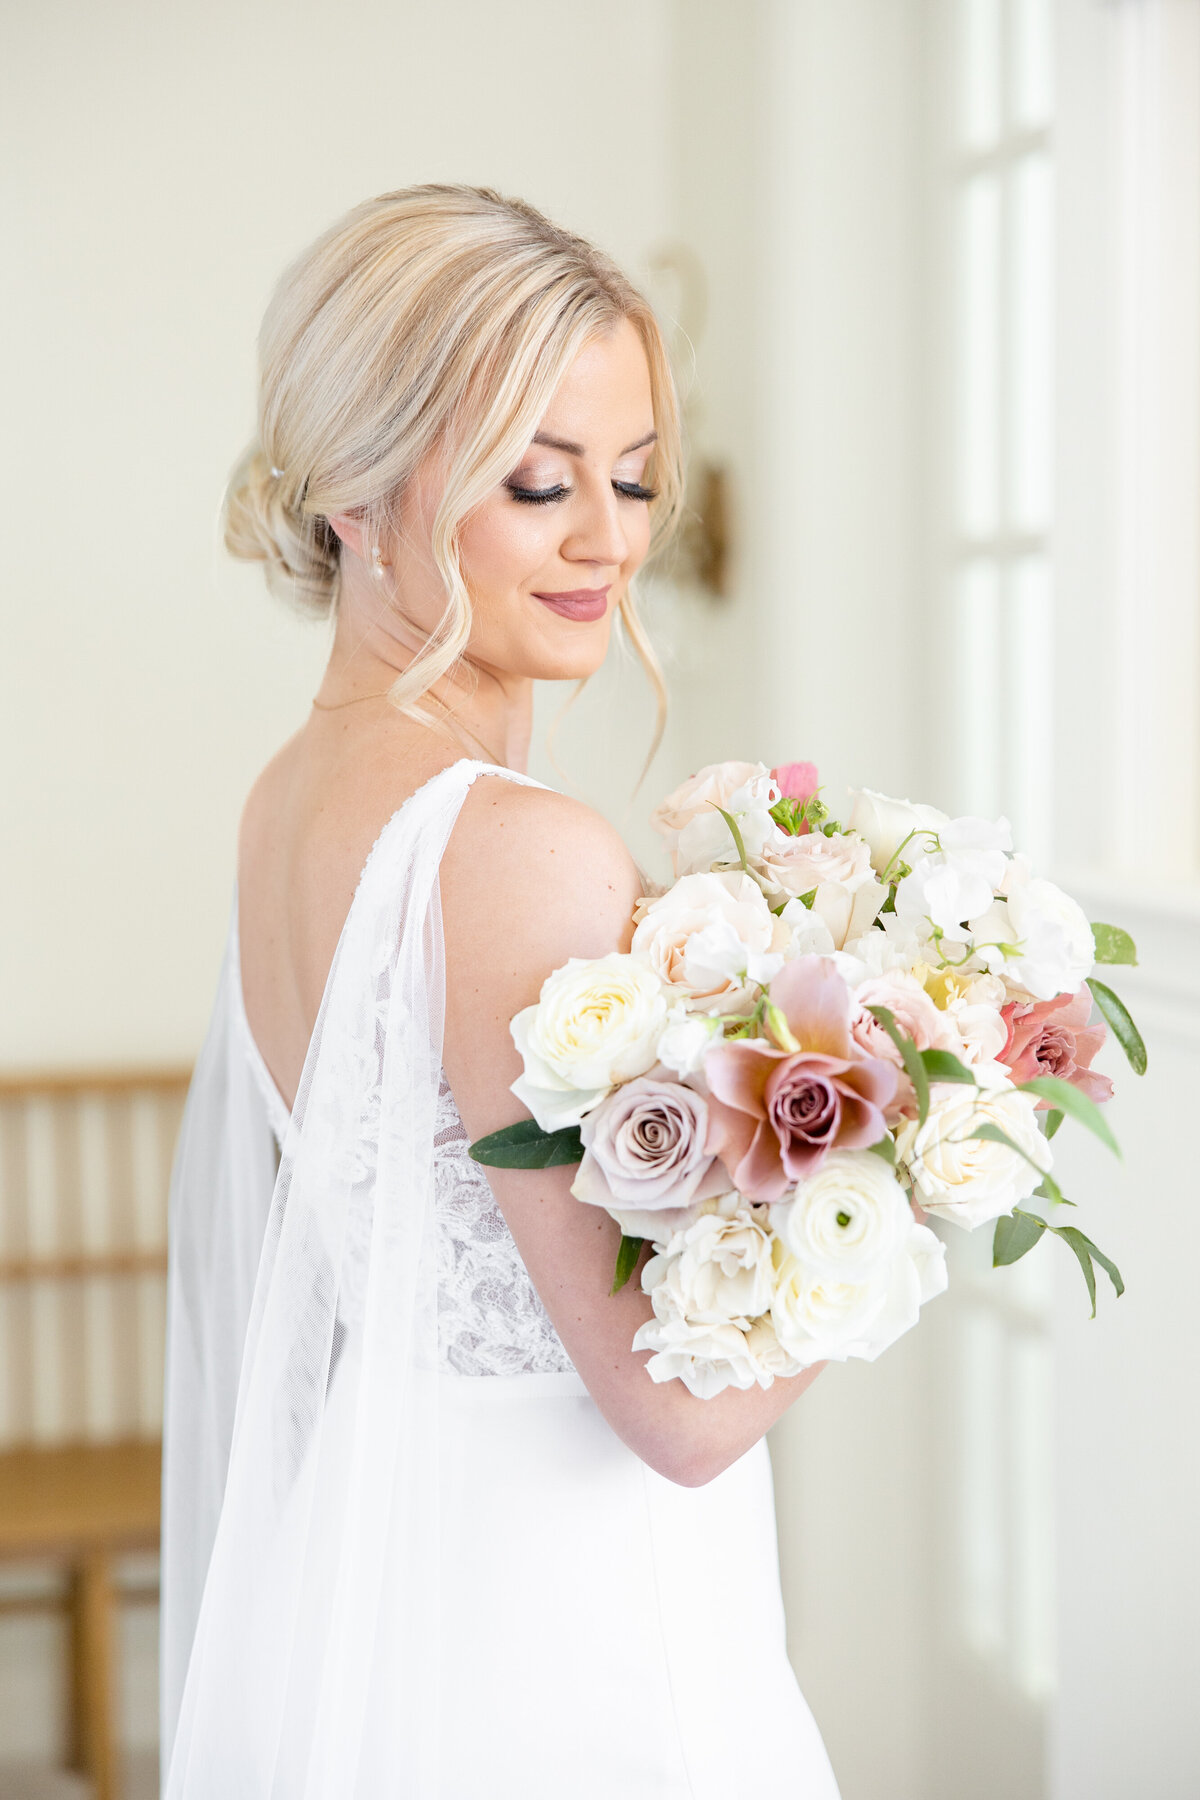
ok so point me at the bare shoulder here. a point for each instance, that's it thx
(539, 872)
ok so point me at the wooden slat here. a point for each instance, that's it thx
(22, 1083)
(68, 1500)
(80, 1267)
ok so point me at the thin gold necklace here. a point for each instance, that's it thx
(336, 706)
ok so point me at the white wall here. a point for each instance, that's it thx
(161, 165)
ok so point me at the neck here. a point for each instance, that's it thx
(493, 709)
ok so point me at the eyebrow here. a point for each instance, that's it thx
(553, 443)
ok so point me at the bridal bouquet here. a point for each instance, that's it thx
(821, 1035)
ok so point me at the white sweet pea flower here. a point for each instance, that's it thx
(1049, 932)
(809, 934)
(687, 1036)
(959, 878)
(597, 1022)
(848, 1220)
(961, 1177)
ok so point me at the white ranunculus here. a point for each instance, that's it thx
(964, 1178)
(846, 1222)
(688, 1035)
(597, 1022)
(1049, 931)
(820, 1320)
(712, 938)
(690, 821)
(885, 824)
(716, 1270)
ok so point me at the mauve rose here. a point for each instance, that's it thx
(646, 1158)
(776, 1113)
(1055, 1038)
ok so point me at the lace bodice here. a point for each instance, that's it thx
(490, 1319)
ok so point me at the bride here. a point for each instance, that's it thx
(430, 1530)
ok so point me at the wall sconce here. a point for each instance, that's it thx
(704, 554)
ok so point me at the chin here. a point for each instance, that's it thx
(581, 652)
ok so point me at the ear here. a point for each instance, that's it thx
(349, 527)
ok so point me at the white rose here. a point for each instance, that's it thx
(716, 1270)
(706, 1358)
(767, 1353)
(597, 1022)
(886, 824)
(691, 823)
(837, 872)
(712, 938)
(848, 1219)
(971, 1005)
(967, 1179)
(1049, 930)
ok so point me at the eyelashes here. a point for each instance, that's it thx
(629, 490)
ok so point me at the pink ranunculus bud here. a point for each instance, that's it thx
(796, 781)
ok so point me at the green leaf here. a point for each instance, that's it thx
(886, 1148)
(1113, 945)
(628, 1251)
(1086, 1254)
(943, 1065)
(1079, 1244)
(737, 836)
(1068, 1099)
(914, 1068)
(526, 1146)
(1123, 1027)
(1051, 1121)
(1016, 1233)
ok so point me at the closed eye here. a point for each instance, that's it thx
(629, 490)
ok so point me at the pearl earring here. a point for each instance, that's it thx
(377, 563)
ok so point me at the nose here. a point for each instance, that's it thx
(597, 533)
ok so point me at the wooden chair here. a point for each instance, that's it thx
(84, 1170)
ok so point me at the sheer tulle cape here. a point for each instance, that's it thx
(300, 1526)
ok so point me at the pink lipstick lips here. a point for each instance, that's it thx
(580, 603)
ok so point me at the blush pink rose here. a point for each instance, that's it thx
(774, 1114)
(1055, 1037)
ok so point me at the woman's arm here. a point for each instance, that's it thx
(529, 879)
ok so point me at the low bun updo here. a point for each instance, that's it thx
(264, 523)
(438, 317)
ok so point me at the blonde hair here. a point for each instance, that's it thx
(436, 317)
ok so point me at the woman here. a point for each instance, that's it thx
(430, 1529)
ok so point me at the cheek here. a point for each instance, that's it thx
(502, 545)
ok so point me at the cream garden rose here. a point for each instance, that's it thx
(718, 1268)
(836, 870)
(690, 818)
(597, 1022)
(712, 939)
(961, 1177)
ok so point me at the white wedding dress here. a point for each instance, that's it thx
(404, 1556)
